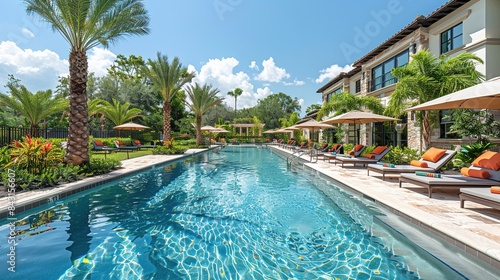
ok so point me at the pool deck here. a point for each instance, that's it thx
(474, 229)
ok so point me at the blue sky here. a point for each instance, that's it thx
(261, 46)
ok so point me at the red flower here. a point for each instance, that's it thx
(47, 146)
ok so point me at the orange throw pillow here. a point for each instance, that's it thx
(370, 156)
(351, 153)
(433, 154)
(137, 142)
(357, 148)
(490, 160)
(120, 143)
(335, 147)
(98, 143)
(378, 150)
(482, 174)
(495, 189)
(418, 163)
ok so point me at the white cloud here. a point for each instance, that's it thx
(254, 66)
(271, 72)
(27, 33)
(99, 61)
(295, 83)
(331, 72)
(37, 70)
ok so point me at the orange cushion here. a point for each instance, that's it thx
(378, 150)
(351, 153)
(137, 142)
(98, 143)
(335, 147)
(482, 174)
(370, 156)
(490, 160)
(495, 189)
(120, 143)
(433, 154)
(418, 163)
(357, 148)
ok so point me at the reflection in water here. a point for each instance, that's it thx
(35, 224)
(79, 230)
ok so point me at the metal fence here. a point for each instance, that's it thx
(9, 134)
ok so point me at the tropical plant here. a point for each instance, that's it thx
(117, 112)
(235, 93)
(480, 124)
(427, 77)
(168, 78)
(274, 107)
(34, 107)
(86, 24)
(398, 155)
(33, 155)
(468, 153)
(200, 99)
(345, 102)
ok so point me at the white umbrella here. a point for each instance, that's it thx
(313, 124)
(482, 96)
(355, 117)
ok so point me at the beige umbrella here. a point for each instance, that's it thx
(130, 126)
(313, 124)
(355, 117)
(482, 96)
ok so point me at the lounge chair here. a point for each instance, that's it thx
(121, 146)
(99, 147)
(432, 167)
(479, 165)
(355, 152)
(138, 144)
(377, 154)
(481, 196)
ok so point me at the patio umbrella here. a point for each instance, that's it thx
(210, 129)
(358, 117)
(313, 124)
(130, 126)
(482, 96)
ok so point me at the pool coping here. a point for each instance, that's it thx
(35, 198)
(484, 250)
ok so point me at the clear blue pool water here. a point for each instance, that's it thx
(236, 214)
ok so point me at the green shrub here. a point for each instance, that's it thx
(399, 155)
(468, 153)
(100, 166)
(165, 150)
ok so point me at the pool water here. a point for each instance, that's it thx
(236, 214)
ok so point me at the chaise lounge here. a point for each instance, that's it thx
(355, 152)
(99, 147)
(375, 156)
(481, 196)
(422, 165)
(484, 172)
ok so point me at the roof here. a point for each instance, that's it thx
(339, 77)
(418, 22)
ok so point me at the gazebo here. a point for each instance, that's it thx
(247, 126)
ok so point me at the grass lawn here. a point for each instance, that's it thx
(121, 155)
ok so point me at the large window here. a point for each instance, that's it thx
(329, 96)
(445, 122)
(358, 86)
(381, 74)
(451, 38)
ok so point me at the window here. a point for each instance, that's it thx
(329, 96)
(358, 86)
(445, 122)
(451, 38)
(381, 74)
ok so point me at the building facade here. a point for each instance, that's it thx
(458, 26)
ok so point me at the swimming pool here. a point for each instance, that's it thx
(236, 214)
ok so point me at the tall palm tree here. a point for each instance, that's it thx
(86, 24)
(200, 100)
(168, 78)
(235, 93)
(117, 112)
(427, 77)
(34, 107)
(345, 102)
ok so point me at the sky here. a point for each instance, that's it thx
(262, 46)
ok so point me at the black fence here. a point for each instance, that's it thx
(9, 134)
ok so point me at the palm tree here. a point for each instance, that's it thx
(168, 78)
(34, 107)
(86, 24)
(200, 100)
(117, 112)
(345, 102)
(235, 93)
(427, 77)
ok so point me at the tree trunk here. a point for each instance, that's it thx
(198, 130)
(78, 132)
(167, 110)
(235, 98)
(426, 131)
